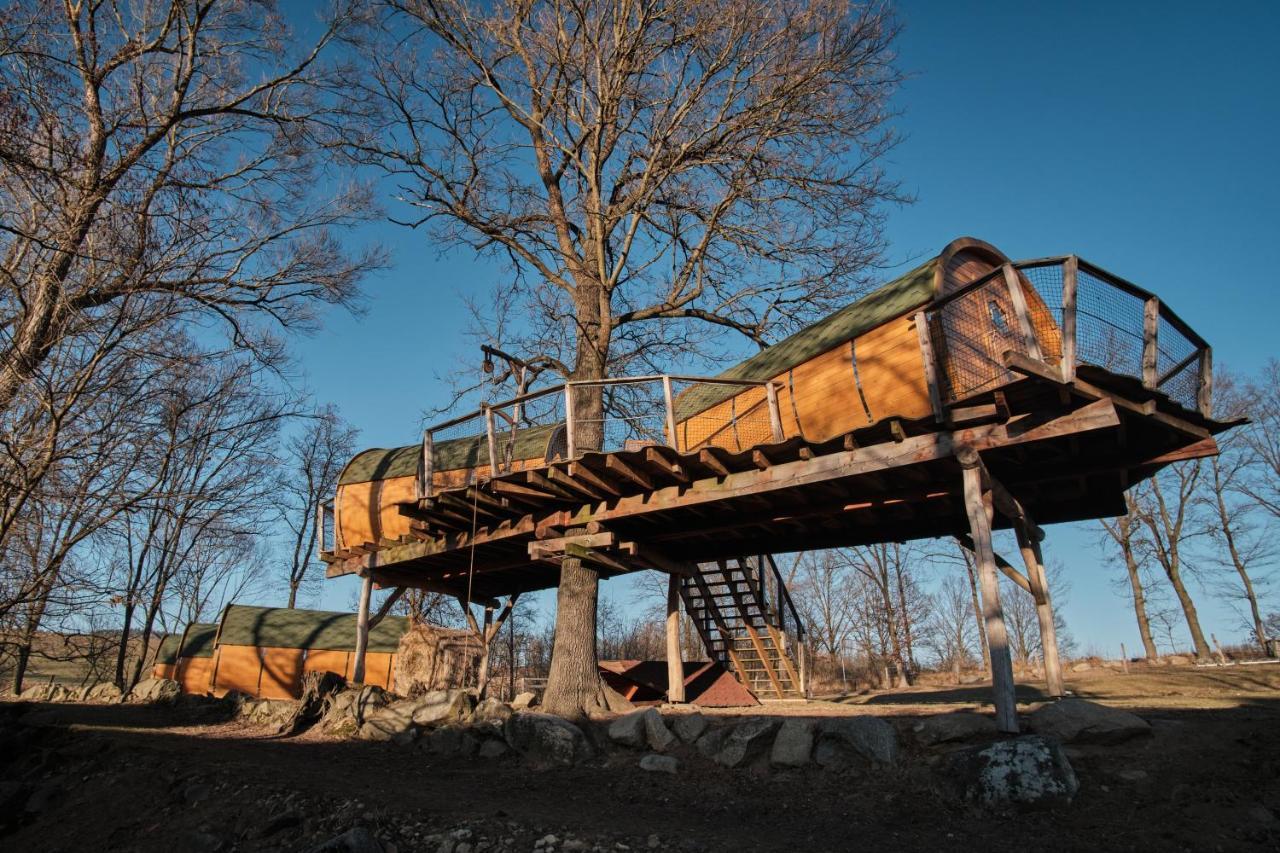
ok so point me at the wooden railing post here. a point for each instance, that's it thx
(1204, 391)
(775, 414)
(669, 401)
(570, 445)
(1150, 353)
(1025, 327)
(930, 361)
(426, 465)
(1070, 269)
(492, 435)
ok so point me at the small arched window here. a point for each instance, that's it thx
(997, 317)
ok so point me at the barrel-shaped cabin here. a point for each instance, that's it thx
(265, 651)
(914, 349)
(193, 658)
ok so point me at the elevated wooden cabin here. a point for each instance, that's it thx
(265, 651)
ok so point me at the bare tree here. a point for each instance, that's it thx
(1262, 439)
(655, 173)
(167, 155)
(1125, 533)
(825, 590)
(313, 459)
(1163, 506)
(951, 633)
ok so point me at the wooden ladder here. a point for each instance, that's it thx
(741, 610)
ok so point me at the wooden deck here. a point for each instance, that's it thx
(1068, 450)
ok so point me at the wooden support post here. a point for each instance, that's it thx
(1124, 659)
(320, 549)
(362, 629)
(930, 365)
(669, 402)
(482, 676)
(1069, 273)
(976, 502)
(1150, 353)
(775, 414)
(1019, 299)
(675, 662)
(1034, 560)
(570, 444)
(1204, 392)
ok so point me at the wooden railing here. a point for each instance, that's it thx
(630, 415)
(778, 606)
(1063, 312)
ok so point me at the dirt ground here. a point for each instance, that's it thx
(101, 777)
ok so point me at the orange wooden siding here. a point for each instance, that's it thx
(193, 674)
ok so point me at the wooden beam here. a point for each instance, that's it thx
(657, 459)
(614, 463)
(1019, 300)
(710, 460)
(1070, 270)
(387, 604)
(675, 661)
(1002, 684)
(580, 471)
(1204, 391)
(550, 547)
(1006, 568)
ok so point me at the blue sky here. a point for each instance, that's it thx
(1141, 136)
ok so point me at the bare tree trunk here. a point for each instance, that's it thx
(573, 685)
(977, 611)
(1227, 526)
(20, 665)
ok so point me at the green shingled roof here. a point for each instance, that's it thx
(894, 299)
(278, 627)
(197, 641)
(168, 651)
(467, 452)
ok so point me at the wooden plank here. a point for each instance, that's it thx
(672, 436)
(576, 485)
(775, 413)
(930, 362)
(615, 463)
(709, 604)
(754, 636)
(1006, 568)
(1070, 268)
(675, 660)
(669, 467)
(579, 471)
(492, 434)
(1204, 391)
(571, 446)
(708, 459)
(1002, 684)
(523, 492)
(1019, 300)
(545, 547)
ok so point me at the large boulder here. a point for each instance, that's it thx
(438, 707)
(1080, 721)
(689, 727)
(103, 692)
(546, 738)
(746, 742)
(491, 710)
(793, 745)
(655, 763)
(1027, 771)
(350, 708)
(155, 691)
(847, 741)
(388, 722)
(957, 726)
(450, 740)
(524, 700)
(640, 729)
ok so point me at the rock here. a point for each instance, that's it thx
(491, 711)
(641, 728)
(629, 729)
(1074, 720)
(155, 691)
(440, 706)
(349, 709)
(793, 744)
(946, 728)
(102, 692)
(655, 763)
(385, 723)
(656, 732)
(711, 741)
(846, 740)
(450, 740)
(689, 727)
(354, 840)
(545, 737)
(1083, 666)
(493, 748)
(524, 700)
(1025, 771)
(1178, 660)
(278, 823)
(746, 742)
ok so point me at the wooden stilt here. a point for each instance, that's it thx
(362, 629)
(1044, 611)
(675, 661)
(975, 499)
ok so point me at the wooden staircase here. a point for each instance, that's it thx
(747, 622)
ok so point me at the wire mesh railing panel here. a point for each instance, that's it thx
(1044, 306)
(634, 415)
(1109, 324)
(459, 453)
(1177, 364)
(712, 414)
(971, 334)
